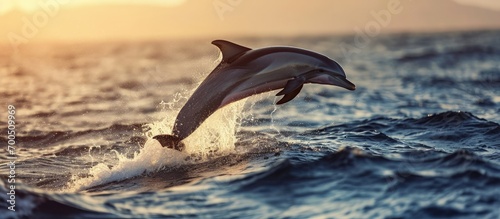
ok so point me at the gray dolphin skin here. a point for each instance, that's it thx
(244, 72)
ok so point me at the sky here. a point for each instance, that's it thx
(23, 21)
(31, 5)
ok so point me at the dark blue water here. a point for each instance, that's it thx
(419, 138)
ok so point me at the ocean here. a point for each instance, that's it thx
(418, 138)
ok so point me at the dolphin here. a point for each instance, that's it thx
(244, 72)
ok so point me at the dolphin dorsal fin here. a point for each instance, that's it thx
(230, 51)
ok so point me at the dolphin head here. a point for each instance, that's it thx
(329, 72)
(314, 68)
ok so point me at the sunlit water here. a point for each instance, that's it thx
(419, 138)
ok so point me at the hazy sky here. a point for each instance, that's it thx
(30, 5)
(33, 20)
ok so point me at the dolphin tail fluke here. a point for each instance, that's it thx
(170, 141)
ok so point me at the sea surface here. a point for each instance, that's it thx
(418, 138)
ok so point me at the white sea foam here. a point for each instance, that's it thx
(215, 137)
(151, 157)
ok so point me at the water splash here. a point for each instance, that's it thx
(215, 137)
(152, 157)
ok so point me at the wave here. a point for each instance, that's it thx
(447, 118)
(432, 121)
(33, 202)
(342, 174)
(467, 51)
(37, 138)
(354, 161)
(444, 132)
(483, 81)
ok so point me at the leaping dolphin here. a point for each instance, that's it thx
(244, 72)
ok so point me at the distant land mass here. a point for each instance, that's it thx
(224, 18)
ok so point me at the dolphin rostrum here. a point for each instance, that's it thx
(244, 72)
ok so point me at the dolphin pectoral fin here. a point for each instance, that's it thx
(290, 96)
(230, 51)
(170, 141)
(292, 85)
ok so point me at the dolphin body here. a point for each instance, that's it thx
(244, 72)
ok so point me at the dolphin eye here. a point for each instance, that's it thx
(321, 70)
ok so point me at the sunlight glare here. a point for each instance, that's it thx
(30, 6)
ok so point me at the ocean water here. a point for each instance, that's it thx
(418, 138)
